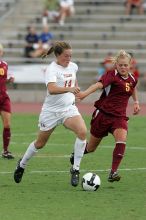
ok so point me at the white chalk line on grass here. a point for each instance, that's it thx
(45, 156)
(35, 133)
(83, 171)
(70, 144)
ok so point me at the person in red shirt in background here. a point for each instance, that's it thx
(110, 113)
(130, 4)
(134, 67)
(108, 62)
(5, 106)
(104, 67)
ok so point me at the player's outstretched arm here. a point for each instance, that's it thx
(90, 90)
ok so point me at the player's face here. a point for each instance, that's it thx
(123, 66)
(64, 58)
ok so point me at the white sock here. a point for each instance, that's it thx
(31, 150)
(79, 148)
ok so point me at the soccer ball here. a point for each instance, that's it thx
(90, 182)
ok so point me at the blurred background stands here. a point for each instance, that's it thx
(97, 28)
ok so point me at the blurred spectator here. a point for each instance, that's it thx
(31, 41)
(105, 66)
(51, 11)
(45, 42)
(108, 62)
(108, 56)
(66, 9)
(131, 4)
(46, 37)
(134, 66)
(100, 71)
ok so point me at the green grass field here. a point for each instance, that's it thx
(45, 192)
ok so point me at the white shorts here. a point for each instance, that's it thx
(49, 120)
(36, 46)
(53, 14)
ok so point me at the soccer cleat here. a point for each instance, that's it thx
(114, 177)
(74, 176)
(72, 158)
(7, 155)
(18, 173)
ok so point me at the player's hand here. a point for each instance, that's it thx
(75, 90)
(136, 109)
(11, 79)
(80, 95)
(77, 100)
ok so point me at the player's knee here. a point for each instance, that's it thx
(82, 134)
(6, 124)
(40, 144)
(91, 147)
(90, 150)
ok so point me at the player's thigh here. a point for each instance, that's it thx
(100, 124)
(77, 125)
(93, 143)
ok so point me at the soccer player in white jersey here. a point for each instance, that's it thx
(59, 108)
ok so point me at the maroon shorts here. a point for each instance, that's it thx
(5, 104)
(102, 124)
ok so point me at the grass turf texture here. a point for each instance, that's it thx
(45, 191)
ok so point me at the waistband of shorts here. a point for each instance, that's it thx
(112, 115)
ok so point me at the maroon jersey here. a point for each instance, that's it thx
(116, 93)
(5, 104)
(3, 77)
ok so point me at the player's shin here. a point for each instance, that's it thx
(31, 150)
(6, 138)
(118, 154)
(79, 149)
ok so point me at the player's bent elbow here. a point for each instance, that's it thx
(52, 91)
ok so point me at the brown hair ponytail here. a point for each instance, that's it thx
(58, 47)
(51, 50)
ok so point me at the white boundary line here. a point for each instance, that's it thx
(66, 171)
(35, 133)
(69, 144)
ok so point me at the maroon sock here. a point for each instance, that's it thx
(6, 138)
(118, 154)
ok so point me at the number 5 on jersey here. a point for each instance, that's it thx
(127, 87)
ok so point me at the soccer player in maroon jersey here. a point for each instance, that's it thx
(110, 113)
(5, 106)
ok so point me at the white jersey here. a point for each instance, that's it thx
(63, 77)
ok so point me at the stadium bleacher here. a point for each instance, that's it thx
(6, 7)
(97, 28)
